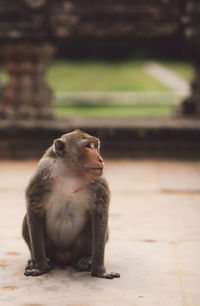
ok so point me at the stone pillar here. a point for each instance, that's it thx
(26, 95)
(191, 106)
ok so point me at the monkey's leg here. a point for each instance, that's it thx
(84, 261)
(100, 231)
(83, 264)
(33, 268)
(25, 232)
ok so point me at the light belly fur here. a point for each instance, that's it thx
(65, 218)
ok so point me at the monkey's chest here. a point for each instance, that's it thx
(65, 219)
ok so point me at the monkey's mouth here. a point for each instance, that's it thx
(98, 170)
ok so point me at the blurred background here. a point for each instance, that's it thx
(114, 68)
(111, 59)
(127, 71)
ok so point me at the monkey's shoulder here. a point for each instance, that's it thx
(99, 183)
(40, 183)
(100, 192)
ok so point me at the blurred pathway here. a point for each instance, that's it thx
(154, 240)
(168, 77)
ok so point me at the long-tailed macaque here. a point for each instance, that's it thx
(67, 208)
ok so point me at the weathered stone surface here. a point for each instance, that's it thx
(170, 138)
(154, 241)
(50, 19)
(26, 95)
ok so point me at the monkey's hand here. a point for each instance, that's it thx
(33, 269)
(108, 275)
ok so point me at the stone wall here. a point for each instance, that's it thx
(158, 138)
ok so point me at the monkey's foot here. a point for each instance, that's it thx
(107, 275)
(32, 269)
(83, 264)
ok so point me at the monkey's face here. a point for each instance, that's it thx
(92, 160)
(80, 152)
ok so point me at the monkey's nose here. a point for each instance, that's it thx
(101, 161)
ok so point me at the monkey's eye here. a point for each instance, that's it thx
(90, 145)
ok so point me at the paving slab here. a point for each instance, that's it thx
(154, 240)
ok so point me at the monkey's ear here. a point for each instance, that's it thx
(59, 147)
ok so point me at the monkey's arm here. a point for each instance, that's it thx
(99, 233)
(38, 263)
(35, 195)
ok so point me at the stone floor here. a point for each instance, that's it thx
(154, 241)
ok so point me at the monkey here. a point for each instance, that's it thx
(67, 201)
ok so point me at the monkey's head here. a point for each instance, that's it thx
(80, 152)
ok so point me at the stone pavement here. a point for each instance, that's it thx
(154, 240)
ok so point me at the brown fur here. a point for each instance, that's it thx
(67, 208)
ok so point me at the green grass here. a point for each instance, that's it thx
(118, 111)
(105, 77)
(3, 74)
(102, 76)
(67, 76)
(183, 69)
